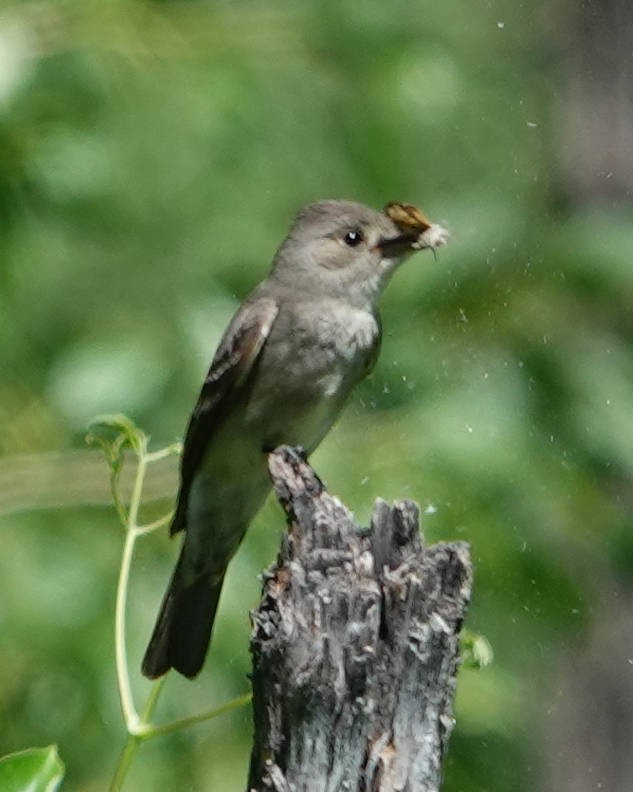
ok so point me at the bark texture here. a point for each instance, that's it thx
(355, 646)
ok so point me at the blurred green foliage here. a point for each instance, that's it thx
(152, 155)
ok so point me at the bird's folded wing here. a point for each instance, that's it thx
(233, 362)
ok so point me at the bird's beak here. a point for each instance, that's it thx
(392, 247)
(416, 232)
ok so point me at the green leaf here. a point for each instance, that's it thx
(33, 770)
(115, 433)
(476, 651)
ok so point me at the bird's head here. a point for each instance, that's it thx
(345, 250)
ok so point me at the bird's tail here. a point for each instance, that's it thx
(183, 628)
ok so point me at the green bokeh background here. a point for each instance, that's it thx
(151, 158)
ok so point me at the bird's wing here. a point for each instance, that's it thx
(233, 362)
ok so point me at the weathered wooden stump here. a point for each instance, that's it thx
(355, 646)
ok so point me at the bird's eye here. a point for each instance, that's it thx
(353, 238)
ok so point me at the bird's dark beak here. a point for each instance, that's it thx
(392, 247)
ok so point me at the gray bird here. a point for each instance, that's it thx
(282, 372)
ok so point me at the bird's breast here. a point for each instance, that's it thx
(310, 363)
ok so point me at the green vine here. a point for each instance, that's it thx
(116, 435)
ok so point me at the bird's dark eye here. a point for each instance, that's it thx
(353, 238)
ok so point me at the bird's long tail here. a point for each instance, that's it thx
(182, 632)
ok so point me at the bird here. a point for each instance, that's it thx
(284, 368)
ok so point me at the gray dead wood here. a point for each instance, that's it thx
(355, 646)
